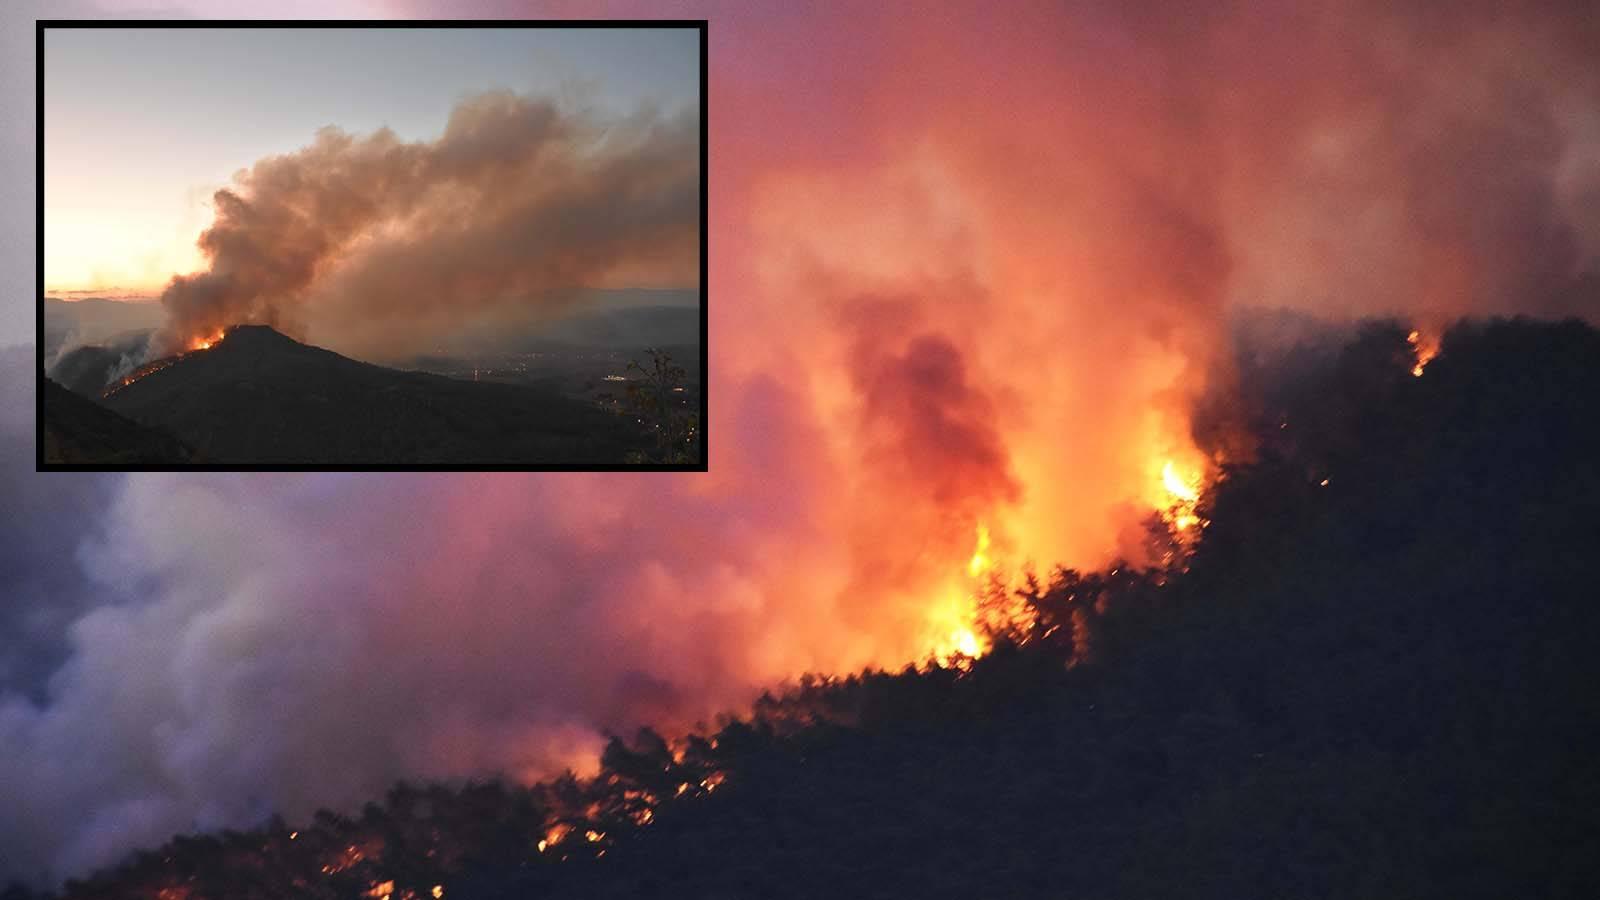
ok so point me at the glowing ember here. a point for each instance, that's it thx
(438, 891)
(136, 374)
(381, 890)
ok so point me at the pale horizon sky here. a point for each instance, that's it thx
(143, 125)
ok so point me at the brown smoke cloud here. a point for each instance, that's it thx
(378, 247)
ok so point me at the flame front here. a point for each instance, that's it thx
(1182, 496)
(956, 618)
(1182, 489)
(980, 554)
(1424, 347)
(206, 341)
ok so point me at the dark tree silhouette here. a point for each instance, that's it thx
(658, 398)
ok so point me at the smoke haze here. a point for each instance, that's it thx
(966, 270)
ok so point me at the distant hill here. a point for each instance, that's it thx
(78, 431)
(643, 326)
(260, 397)
(625, 324)
(89, 368)
(96, 320)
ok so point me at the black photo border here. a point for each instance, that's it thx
(699, 25)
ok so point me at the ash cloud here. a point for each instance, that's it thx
(376, 246)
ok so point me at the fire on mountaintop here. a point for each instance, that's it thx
(193, 345)
(206, 342)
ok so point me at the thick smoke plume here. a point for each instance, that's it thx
(967, 269)
(379, 247)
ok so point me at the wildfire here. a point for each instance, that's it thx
(194, 345)
(956, 620)
(1182, 496)
(205, 342)
(554, 836)
(136, 374)
(1183, 489)
(957, 616)
(1424, 348)
(980, 555)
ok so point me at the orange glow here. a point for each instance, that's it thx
(206, 342)
(1183, 489)
(554, 836)
(955, 618)
(980, 555)
(1424, 347)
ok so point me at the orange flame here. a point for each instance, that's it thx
(1186, 490)
(1182, 496)
(205, 342)
(1424, 347)
(955, 619)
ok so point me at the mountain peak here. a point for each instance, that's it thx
(259, 335)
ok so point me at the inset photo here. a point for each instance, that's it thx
(415, 246)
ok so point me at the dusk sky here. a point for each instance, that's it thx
(143, 125)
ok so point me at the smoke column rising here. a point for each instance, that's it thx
(966, 269)
(377, 246)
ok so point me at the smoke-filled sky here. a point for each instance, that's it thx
(143, 125)
(968, 268)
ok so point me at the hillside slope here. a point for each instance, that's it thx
(260, 397)
(1381, 686)
(78, 431)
